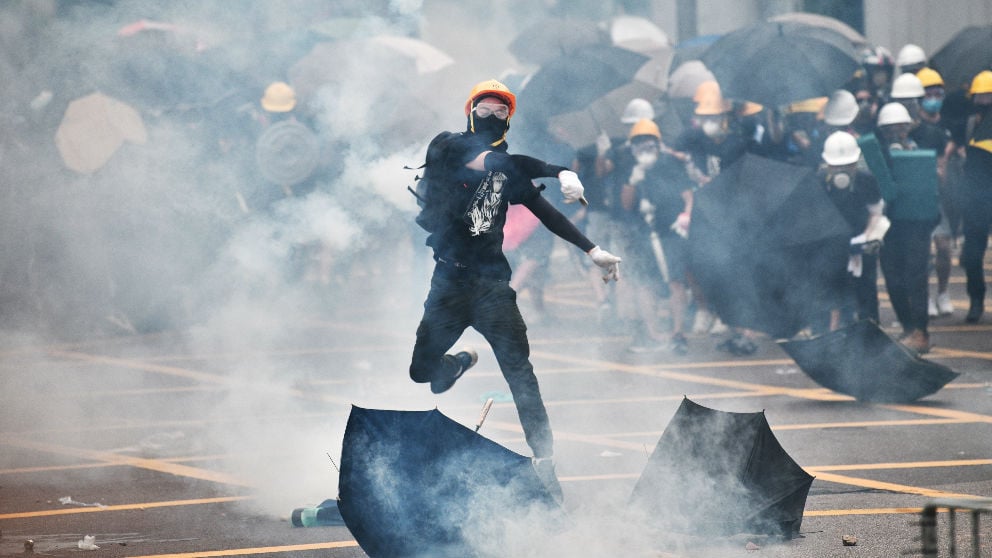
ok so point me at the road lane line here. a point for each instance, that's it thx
(124, 507)
(903, 465)
(117, 459)
(251, 551)
(887, 486)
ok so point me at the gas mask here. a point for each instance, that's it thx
(712, 128)
(491, 129)
(840, 180)
(646, 158)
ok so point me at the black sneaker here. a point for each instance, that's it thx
(545, 469)
(975, 311)
(466, 359)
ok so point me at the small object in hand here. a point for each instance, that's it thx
(849, 540)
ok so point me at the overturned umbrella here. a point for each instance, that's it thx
(862, 361)
(721, 473)
(416, 483)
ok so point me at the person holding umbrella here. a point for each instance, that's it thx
(469, 181)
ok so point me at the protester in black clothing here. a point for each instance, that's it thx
(469, 180)
(858, 198)
(977, 214)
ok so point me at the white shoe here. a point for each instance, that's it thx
(718, 327)
(932, 308)
(703, 322)
(944, 304)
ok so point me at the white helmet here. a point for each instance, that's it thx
(909, 55)
(637, 110)
(841, 109)
(841, 149)
(893, 113)
(907, 86)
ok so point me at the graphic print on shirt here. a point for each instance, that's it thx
(485, 203)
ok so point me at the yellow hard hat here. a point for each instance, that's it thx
(644, 127)
(712, 103)
(814, 105)
(749, 108)
(706, 89)
(929, 77)
(981, 83)
(279, 97)
(494, 88)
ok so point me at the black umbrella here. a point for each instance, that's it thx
(776, 63)
(862, 361)
(966, 54)
(416, 483)
(572, 81)
(767, 246)
(721, 473)
(549, 38)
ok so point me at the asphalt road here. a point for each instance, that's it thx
(201, 442)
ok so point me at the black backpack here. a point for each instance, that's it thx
(432, 210)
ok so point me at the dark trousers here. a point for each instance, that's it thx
(976, 222)
(904, 257)
(458, 300)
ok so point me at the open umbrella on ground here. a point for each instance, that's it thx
(766, 245)
(721, 473)
(862, 361)
(819, 20)
(416, 483)
(93, 128)
(967, 53)
(776, 63)
(569, 83)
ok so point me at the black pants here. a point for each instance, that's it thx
(905, 256)
(459, 299)
(976, 222)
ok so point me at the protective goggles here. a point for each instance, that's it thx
(483, 110)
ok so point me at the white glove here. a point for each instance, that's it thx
(607, 261)
(571, 186)
(603, 143)
(681, 225)
(646, 208)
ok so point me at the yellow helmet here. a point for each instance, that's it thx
(644, 127)
(279, 97)
(929, 77)
(494, 88)
(815, 105)
(712, 104)
(706, 89)
(981, 83)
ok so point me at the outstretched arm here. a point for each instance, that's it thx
(557, 223)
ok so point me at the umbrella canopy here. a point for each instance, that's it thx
(416, 483)
(684, 80)
(692, 49)
(550, 38)
(571, 82)
(819, 20)
(721, 473)
(638, 34)
(862, 361)
(774, 64)
(967, 53)
(582, 126)
(767, 245)
(93, 128)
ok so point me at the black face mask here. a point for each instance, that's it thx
(490, 129)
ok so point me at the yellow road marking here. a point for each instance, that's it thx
(258, 550)
(117, 459)
(887, 486)
(959, 353)
(907, 465)
(870, 511)
(124, 507)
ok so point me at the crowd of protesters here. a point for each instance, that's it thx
(906, 159)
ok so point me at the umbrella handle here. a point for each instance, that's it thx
(485, 411)
(583, 201)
